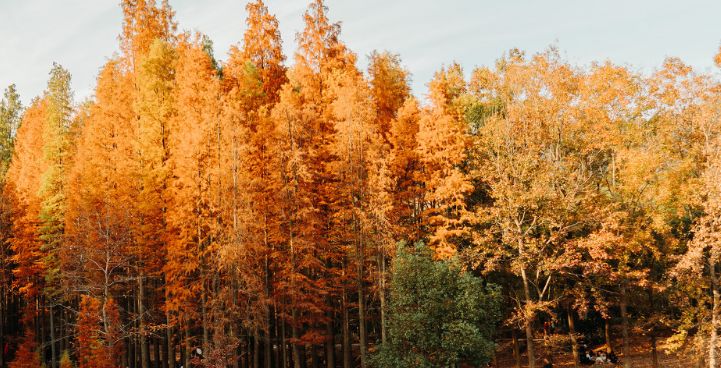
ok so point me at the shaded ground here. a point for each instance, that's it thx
(640, 357)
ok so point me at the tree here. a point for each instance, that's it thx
(21, 188)
(389, 83)
(27, 355)
(10, 114)
(52, 189)
(253, 76)
(442, 145)
(191, 188)
(538, 174)
(405, 172)
(309, 185)
(144, 23)
(97, 341)
(439, 315)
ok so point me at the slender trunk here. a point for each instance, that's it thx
(572, 334)
(231, 333)
(713, 340)
(382, 293)
(63, 333)
(163, 347)
(516, 349)
(156, 352)
(284, 345)
(187, 347)
(170, 346)
(624, 327)
(296, 335)
(131, 352)
(2, 317)
(528, 322)
(123, 360)
(276, 330)
(267, 344)
(204, 316)
(652, 333)
(314, 356)
(607, 334)
(181, 344)
(256, 348)
(361, 304)
(654, 351)
(247, 360)
(147, 348)
(53, 352)
(144, 357)
(330, 343)
(303, 354)
(130, 339)
(346, 332)
(41, 323)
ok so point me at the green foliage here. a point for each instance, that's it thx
(10, 114)
(55, 148)
(439, 315)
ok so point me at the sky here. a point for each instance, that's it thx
(82, 34)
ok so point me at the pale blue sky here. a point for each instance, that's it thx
(82, 34)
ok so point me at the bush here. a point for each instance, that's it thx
(439, 315)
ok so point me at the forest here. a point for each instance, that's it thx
(273, 211)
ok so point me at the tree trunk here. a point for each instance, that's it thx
(607, 334)
(346, 332)
(163, 346)
(131, 352)
(516, 349)
(187, 347)
(169, 346)
(294, 346)
(144, 357)
(361, 307)
(53, 352)
(572, 334)
(528, 322)
(204, 316)
(256, 348)
(147, 348)
(2, 319)
(267, 344)
(654, 351)
(713, 340)
(314, 356)
(382, 293)
(330, 343)
(278, 339)
(231, 334)
(131, 339)
(156, 352)
(41, 323)
(624, 327)
(283, 345)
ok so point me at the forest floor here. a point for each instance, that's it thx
(640, 357)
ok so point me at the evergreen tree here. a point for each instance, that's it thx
(439, 315)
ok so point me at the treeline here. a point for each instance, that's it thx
(247, 212)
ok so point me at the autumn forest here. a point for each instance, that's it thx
(300, 212)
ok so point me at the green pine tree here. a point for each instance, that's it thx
(439, 315)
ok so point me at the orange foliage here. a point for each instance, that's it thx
(27, 355)
(97, 326)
